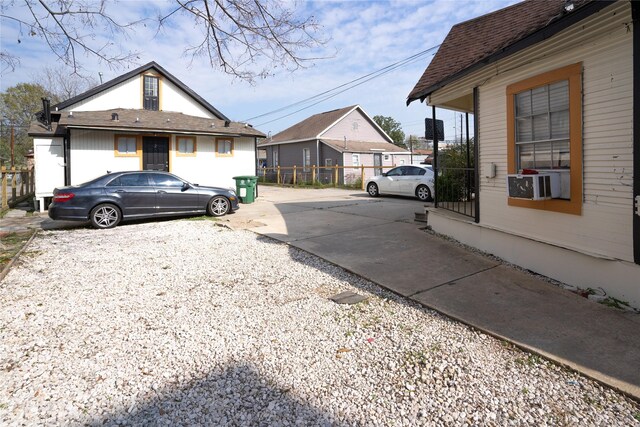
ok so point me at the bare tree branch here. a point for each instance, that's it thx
(248, 39)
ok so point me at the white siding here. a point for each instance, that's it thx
(49, 166)
(175, 99)
(208, 169)
(92, 155)
(128, 94)
(355, 127)
(604, 46)
(123, 95)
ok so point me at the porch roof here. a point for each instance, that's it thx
(130, 120)
(363, 146)
(478, 42)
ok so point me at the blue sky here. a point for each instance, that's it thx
(362, 36)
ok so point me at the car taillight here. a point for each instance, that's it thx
(63, 197)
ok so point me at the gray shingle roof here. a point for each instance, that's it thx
(310, 127)
(144, 120)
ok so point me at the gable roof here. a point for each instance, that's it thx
(475, 43)
(144, 121)
(151, 65)
(313, 127)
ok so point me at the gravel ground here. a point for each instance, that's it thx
(187, 323)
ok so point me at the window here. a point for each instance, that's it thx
(544, 132)
(162, 180)
(395, 172)
(306, 159)
(131, 180)
(186, 146)
(275, 157)
(355, 160)
(150, 93)
(542, 127)
(126, 146)
(224, 147)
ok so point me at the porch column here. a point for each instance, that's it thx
(434, 163)
(476, 153)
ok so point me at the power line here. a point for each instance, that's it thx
(328, 94)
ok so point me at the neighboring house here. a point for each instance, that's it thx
(554, 86)
(145, 119)
(344, 137)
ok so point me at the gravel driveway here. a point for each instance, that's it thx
(187, 323)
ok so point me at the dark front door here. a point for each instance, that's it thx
(155, 153)
(377, 162)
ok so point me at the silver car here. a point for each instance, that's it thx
(414, 181)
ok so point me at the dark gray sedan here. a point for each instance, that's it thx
(107, 200)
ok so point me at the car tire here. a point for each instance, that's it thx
(218, 206)
(423, 193)
(372, 189)
(105, 216)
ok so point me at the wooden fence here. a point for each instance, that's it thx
(350, 176)
(16, 185)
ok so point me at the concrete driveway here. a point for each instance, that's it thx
(377, 238)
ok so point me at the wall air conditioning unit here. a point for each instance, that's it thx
(541, 186)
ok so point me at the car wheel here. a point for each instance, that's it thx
(372, 189)
(218, 206)
(423, 193)
(105, 215)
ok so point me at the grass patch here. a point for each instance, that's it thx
(10, 245)
(201, 218)
(530, 360)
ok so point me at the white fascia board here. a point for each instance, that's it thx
(181, 132)
(373, 122)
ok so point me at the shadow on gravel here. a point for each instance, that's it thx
(236, 396)
(379, 241)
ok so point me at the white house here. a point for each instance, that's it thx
(554, 87)
(145, 119)
(343, 137)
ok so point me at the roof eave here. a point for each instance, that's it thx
(536, 37)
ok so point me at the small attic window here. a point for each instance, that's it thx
(150, 95)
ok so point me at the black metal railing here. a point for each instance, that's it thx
(457, 190)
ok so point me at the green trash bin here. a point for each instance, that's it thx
(246, 188)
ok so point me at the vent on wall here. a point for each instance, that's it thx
(541, 186)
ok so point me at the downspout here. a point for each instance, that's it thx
(635, 17)
(66, 148)
(317, 158)
(255, 149)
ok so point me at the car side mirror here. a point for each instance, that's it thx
(384, 174)
(185, 186)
